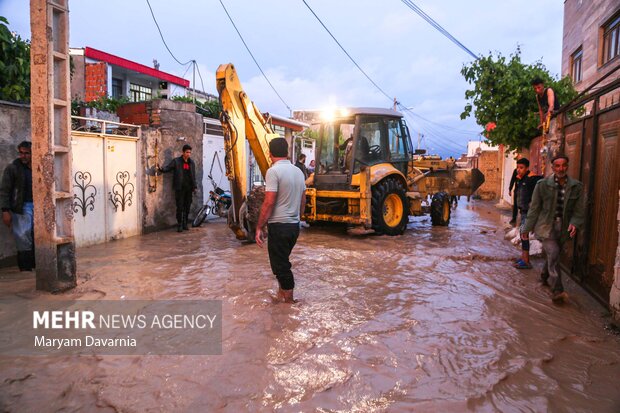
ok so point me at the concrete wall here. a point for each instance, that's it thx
(172, 125)
(14, 128)
(77, 78)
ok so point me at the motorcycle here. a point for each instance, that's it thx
(218, 203)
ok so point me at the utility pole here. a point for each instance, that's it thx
(194, 81)
(50, 105)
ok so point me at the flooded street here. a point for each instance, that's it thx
(436, 320)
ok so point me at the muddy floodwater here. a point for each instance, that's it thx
(435, 320)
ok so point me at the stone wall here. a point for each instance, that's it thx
(14, 128)
(172, 125)
(489, 163)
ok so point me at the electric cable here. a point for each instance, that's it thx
(164, 40)
(200, 76)
(358, 66)
(437, 26)
(253, 58)
(345, 52)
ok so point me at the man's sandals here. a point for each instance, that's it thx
(522, 265)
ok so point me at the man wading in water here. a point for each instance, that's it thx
(285, 201)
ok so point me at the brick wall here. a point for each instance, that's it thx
(135, 113)
(489, 165)
(95, 81)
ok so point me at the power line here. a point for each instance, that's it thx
(448, 129)
(457, 130)
(437, 26)
(200, 76)
(345, 52)
(164, 40)
(374, 83)
(253, 58)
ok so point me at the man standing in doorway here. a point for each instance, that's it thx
(301, 164)
(285, 201)
(184, 184)
(556, 214)
(546, 99)
(525, 183)
(17, 205)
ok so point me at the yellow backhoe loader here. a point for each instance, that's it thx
(365, 173)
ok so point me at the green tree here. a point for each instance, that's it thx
(502, 94)
(14, 65)
(209, 108)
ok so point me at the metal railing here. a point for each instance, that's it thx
(104, 127)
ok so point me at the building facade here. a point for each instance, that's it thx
(589, 133)
(97, 74)
(591, 40)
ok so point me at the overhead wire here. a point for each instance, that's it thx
(405, 108)
(164, 40)
(253, 58)
(200, 77)
(345, 51)
(437, 26)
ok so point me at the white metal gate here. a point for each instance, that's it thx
(106, 181)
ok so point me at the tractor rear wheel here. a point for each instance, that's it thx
(440, 209)
(390, 210)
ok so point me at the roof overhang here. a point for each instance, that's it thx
(137, 67)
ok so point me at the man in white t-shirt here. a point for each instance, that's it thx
(285, 201)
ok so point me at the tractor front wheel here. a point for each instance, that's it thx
(390, 210)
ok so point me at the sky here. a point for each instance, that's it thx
(400, 52)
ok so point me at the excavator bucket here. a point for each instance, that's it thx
(453, 181)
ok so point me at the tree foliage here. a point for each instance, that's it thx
(209, 108)
(502, 94)
(14, 65)
(104, 103)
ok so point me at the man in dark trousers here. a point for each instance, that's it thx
(524, 188)
(184, 184)
(515, 208)
(556, 214)
(17, 205)
(285, 201)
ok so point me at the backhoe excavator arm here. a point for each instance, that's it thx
(241, 121)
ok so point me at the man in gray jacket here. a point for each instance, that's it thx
(555, 215)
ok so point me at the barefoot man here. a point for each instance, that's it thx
(285, 201)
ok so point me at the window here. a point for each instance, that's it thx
(611, 39)
(117, 88)
(576, 59)
(139, 93)
(396, 141)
